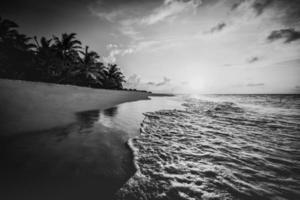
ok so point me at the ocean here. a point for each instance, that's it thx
(218, 147)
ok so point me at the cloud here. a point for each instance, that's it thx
(170, 8)
(255, 84)
(115, 50)
(111, 58)
(133, 81)
(288, 11)
(129, 31)
(109, 16)
(258, 6)
(135, 14)
(151, 83)
(253, 59)
(219, 27)
(162, 83)
(236, 5)
(288, 35)
(261, 5)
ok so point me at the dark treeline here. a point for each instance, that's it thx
(60, 60)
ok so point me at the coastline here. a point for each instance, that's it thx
(71, 152)
(33, 106)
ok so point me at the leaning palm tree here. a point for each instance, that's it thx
(15, 52)
(22, 42)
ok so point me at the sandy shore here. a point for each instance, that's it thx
(29, 106)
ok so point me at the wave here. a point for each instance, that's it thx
(214, 150)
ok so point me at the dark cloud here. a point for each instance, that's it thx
(258, 6)
(261, 5)
(288, 35)
(253, 59)
(288, 10)
(255, 84)
(218, 27)
(151, 83)
(236, 5)
(164, 82)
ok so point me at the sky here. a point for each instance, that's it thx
(180, 46)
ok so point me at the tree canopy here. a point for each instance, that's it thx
(60, 60)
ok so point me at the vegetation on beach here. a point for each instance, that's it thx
(60, 60)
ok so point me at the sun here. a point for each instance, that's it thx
(196, 84)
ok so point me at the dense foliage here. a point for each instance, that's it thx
(57, 60)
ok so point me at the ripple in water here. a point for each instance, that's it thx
(216, 150)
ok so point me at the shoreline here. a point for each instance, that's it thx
(34, 106)
(100, 154)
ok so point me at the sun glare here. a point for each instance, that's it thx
(196, 85)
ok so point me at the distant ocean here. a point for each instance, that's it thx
(219, 147)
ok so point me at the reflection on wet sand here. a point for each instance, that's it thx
(83, 160)
(88, 159)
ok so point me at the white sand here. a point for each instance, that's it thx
(30, 106)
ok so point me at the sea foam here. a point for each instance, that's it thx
(215, 150)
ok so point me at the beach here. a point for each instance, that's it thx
(66, 142)
(45, 150)
(159, 147)
(31, 106)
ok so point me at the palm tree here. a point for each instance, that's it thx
(89, 57)
(47, 61)
(67, 46)
(7, 29)
(89, 71)
(15, 51)
(114, 77)
(58, 60)
(22, 42)
(43, 44)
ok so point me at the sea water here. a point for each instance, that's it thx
(219, 147)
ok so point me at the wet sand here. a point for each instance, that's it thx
(85, 157)
(51, 146)
(84, 160)
(30, 106)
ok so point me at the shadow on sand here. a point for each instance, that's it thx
(84, 160)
